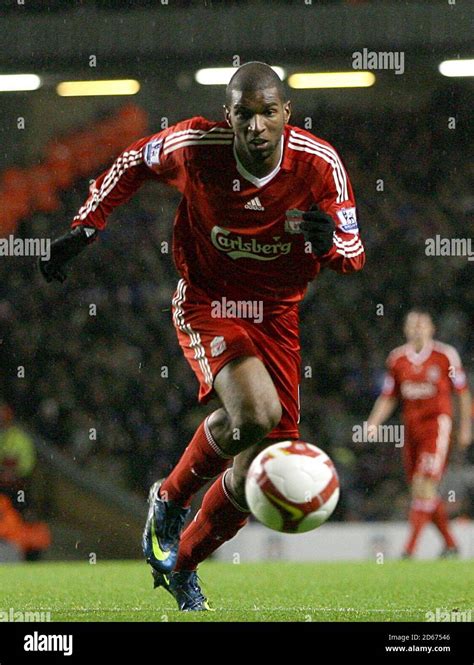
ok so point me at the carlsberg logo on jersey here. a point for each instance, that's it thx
(239, 247)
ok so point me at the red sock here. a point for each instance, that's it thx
(201, 461)
(420, 514)
(440, 519)
(218, 520)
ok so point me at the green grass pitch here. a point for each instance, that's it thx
(272, 591)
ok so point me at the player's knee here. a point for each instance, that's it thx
(254, 424)
(424, 488)
(268, 417)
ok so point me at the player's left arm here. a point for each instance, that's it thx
(465, 419)
(460, 388)
(331, 225)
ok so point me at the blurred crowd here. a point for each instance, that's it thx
(104, 378)
(129, 5)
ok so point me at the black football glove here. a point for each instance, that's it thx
(63, 249)
(317, 229)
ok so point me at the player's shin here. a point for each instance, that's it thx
(219, 519)
(421, 512)
(440, 520)
(202, 460)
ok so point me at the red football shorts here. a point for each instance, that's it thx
(209, 342)
(427, 446)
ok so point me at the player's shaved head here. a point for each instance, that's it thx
(253, 77)
(257, 111)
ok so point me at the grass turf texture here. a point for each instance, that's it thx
(272, 591)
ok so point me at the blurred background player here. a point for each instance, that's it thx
(17, 455)
(241, 234)
(423, 374)
(17, 463)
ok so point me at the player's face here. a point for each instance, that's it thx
(258, 119)
(419, 328)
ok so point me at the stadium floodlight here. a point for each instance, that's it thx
(457, 67)
(92, 88)
(222, 75)
(307, 80)
(19, 82)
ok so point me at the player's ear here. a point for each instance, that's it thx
(287, 111)
(227, 114)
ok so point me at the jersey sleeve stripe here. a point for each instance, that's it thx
(348, 249)
(185, 143)
(350, 244)
(176, 137)
(305, 148)
(326, 153)
(173, 138)
(350, 255)
(118, 168)
(333, 155)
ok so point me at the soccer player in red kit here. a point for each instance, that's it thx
(265, 207)
(424, 374)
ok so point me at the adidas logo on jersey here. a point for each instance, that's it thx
(254, 204)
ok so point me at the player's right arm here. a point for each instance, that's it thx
(381, 411)
(386, 402)
(112, 188)
(142, 160)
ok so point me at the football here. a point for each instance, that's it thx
(292, 486)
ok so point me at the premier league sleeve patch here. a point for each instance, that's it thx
(348, 220)
(151, 152)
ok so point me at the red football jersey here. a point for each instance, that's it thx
(424, 381)
(236, 235)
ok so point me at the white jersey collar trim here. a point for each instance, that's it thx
(419, 358)
(258, 182)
